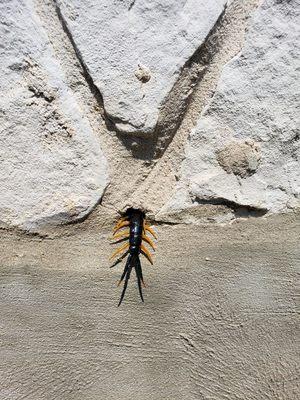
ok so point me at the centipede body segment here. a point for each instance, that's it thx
(131, 232)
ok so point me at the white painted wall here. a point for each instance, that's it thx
(166, 106)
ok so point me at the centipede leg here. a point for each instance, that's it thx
(119, 259)
(121, 225)
(146, 253)
(121, 235)
(149, 229)
(126, 273)
(119, 250)
(120, 220)
(148, 240)
(125, 269)
(139, 275)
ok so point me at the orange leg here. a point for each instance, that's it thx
(148, 240)
(146, 253)
(121, 225)
(149, 229)
(121, 235)
(119, 250)
(121, 219)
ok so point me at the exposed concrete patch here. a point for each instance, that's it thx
(240, 158)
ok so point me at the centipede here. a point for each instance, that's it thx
(133, 229)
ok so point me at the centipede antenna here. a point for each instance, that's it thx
(140, 289)
(141, 272)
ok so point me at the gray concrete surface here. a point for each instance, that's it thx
(220, 318)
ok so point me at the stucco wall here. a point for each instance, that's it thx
(184, 109)
(220, 318)
(189, 110)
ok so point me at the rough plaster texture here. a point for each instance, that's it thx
(134, 51)
(52, 166)
(220, 319)
(245, 147)
(234, 148)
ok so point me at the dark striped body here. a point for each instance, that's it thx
(135, 232)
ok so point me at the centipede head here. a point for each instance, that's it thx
(131, 211)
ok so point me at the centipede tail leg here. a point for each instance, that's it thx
(125, 269)
(141, 272)
(139, 276)
(127, 273)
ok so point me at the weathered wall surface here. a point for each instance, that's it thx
(52, 165)
(188, 110)
(134, 51)
(245, 147)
